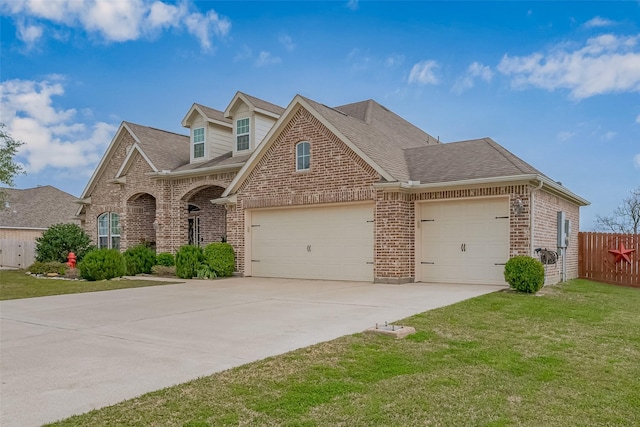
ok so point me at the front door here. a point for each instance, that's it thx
(194, 230)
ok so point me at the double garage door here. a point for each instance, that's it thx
(333, 243)
(463, 241)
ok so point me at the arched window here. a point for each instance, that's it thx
(109, 230)
(303, 156)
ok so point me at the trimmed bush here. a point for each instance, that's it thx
(166, 259)
(220, 258)
(48, 267)
(60, 239)
(524, 274)
(139, 259)
(188, 260)
(102, 264)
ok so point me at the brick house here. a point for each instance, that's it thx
(353, 192)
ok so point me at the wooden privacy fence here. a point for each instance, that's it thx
(596, 262)
(17, 253)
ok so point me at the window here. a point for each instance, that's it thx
(198, 143)
(242, 134)
(109, 230)
(303, 156)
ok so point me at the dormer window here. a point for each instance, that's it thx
(303, 156)
(242, 134)
(198, 143)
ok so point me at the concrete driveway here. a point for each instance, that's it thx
(68, 354)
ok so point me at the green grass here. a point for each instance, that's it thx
(15, 284)
(566, 357)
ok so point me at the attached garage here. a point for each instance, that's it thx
(333, 242)
(462, 241)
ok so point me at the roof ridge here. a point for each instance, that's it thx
(158, 129)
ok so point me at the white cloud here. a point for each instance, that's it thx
(605, 64)
(393, 60)
(265, 58)
(352, 4)
(29, 34)
(53, 137)
(424, 72)
(636, 160)
(475, 71)
(609, 135)
(598, 22)
(638, 119)
(565, 135)
(117, 21)
(287, 42)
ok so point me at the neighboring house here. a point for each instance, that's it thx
(352, 192)
(25, 215)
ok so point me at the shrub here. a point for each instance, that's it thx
(102, 264)
(220, 258)
(205, 272)
(164, 270)
(139, 259)
(166, 259)
(48, 267)
(72, 273)
(60, 239)
(188, 260)
(524, 274)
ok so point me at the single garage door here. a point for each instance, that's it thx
(464, 241)
(330, 242)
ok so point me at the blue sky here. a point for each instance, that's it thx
(557, 84)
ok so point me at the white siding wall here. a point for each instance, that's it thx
(219, 140)
(263, 125)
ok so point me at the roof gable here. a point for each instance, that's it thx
(255, 104)
(211, 115)
(311, 106)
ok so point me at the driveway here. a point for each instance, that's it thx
(68, 354)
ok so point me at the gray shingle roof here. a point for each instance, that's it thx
(39, 207)
(455, 161)
(264, 105)
(379, 133)
(213, 114)
(166, 150)
(223, 160)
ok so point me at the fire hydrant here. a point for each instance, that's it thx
(71, 260)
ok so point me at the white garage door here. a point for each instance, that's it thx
(464, 241)
(333, 242)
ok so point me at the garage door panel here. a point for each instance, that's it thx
(465, 240)
(325, 242)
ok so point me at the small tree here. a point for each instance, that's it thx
(625, 218)
(60, 239)
(8, 167)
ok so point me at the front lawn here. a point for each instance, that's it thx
(567, 357)
(15, 284)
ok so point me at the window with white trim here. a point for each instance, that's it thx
(198, 143)
(109, 230)
(242, 134)
(303, 156)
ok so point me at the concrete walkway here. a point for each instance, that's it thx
(67, 354)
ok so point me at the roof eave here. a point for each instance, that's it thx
(195, 172)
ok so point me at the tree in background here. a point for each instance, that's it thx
(625, 218)
(8, 167)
